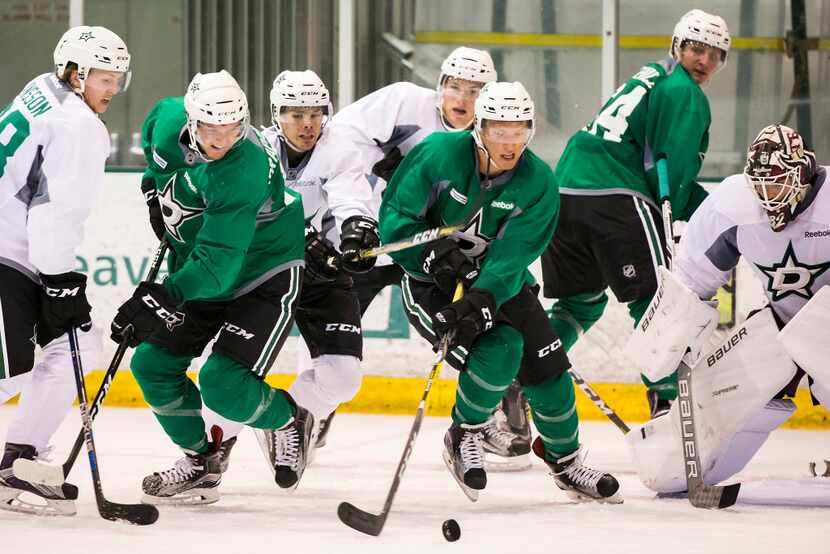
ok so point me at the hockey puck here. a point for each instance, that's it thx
(451, 530)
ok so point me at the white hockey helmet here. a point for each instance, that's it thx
(299, 89)
(778, 162)
(217, 99)
(92, 48)
(504, 101)
(699, 26)
(468, 64)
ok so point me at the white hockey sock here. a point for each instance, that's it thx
(333, 380)
(229, 428)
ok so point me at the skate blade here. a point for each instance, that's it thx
(501, 464)
(192, 497)
(471, 494)
(581, 497)
(10, 500)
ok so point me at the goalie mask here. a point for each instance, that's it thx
(779, 170)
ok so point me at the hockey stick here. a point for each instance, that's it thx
(423, 237)
(372, 524)
(137, 514)
(45, 474)
(701, 495)
(598, 402)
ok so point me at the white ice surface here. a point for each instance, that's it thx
(517, 513)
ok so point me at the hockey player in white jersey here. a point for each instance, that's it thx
(53, 147)
(776, 215)
(323, 165)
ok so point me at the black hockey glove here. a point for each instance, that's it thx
(446, 264)
(386, 167)
(148, 188)
(63, 302)
(149, 309)
(322, 261)
(466, 318)
(358, 233)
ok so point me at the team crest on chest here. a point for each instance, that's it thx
(175, 213)
(791, 276)
(471, 241)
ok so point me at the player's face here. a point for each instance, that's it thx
(302, 126)
(700, 61)
(504, 141)
(101, 86)
(458, 98)
(217, 140)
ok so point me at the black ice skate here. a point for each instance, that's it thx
(193, 479)
(657, 406)
(580, 482)
(323, 430)
(464, 456)
(507, 442)
(37, 499)
(287, 448)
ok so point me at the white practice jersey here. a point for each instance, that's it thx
(792, 264)
(329, 178)
(53, 148)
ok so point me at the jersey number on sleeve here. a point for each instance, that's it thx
(14, 128)
(612, 122)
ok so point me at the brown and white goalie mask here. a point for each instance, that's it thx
(779, 170)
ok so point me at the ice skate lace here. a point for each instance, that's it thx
(584, 477)
(181, 471)
(471, 453)
(498, 436)
(287, 448)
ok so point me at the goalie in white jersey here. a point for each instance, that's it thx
(53, 147)
(776, 215)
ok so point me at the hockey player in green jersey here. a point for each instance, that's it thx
(509, 201)
(609, 232)
(237, 247)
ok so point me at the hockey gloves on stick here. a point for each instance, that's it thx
(466, 318)
(151, 197)
(358, 233)
(322, 261)
(63, 302)
(446, 264)
(151, 308)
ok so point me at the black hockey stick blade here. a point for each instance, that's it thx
(359, 520)
(137, 514)
(714, 497)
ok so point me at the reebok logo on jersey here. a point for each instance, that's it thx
(816, 234)
(342, 327)
(502, 205)
(238, 331)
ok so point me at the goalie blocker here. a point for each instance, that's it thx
(732, 387)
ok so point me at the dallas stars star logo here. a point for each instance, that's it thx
(85, 36)
(792, 277)
(471, 241)
(175, 213)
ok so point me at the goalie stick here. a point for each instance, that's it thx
(701, 495)
(45, 474)
(137, 514)
(367, 522)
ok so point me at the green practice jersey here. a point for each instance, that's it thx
(660, 109)
(438, 183)
(231, 223)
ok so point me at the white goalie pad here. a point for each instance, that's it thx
(676, 319)
(805, 337)
(731, 385)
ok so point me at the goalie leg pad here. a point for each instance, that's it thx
(732, 384)
(675, 320)
(804, 338)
